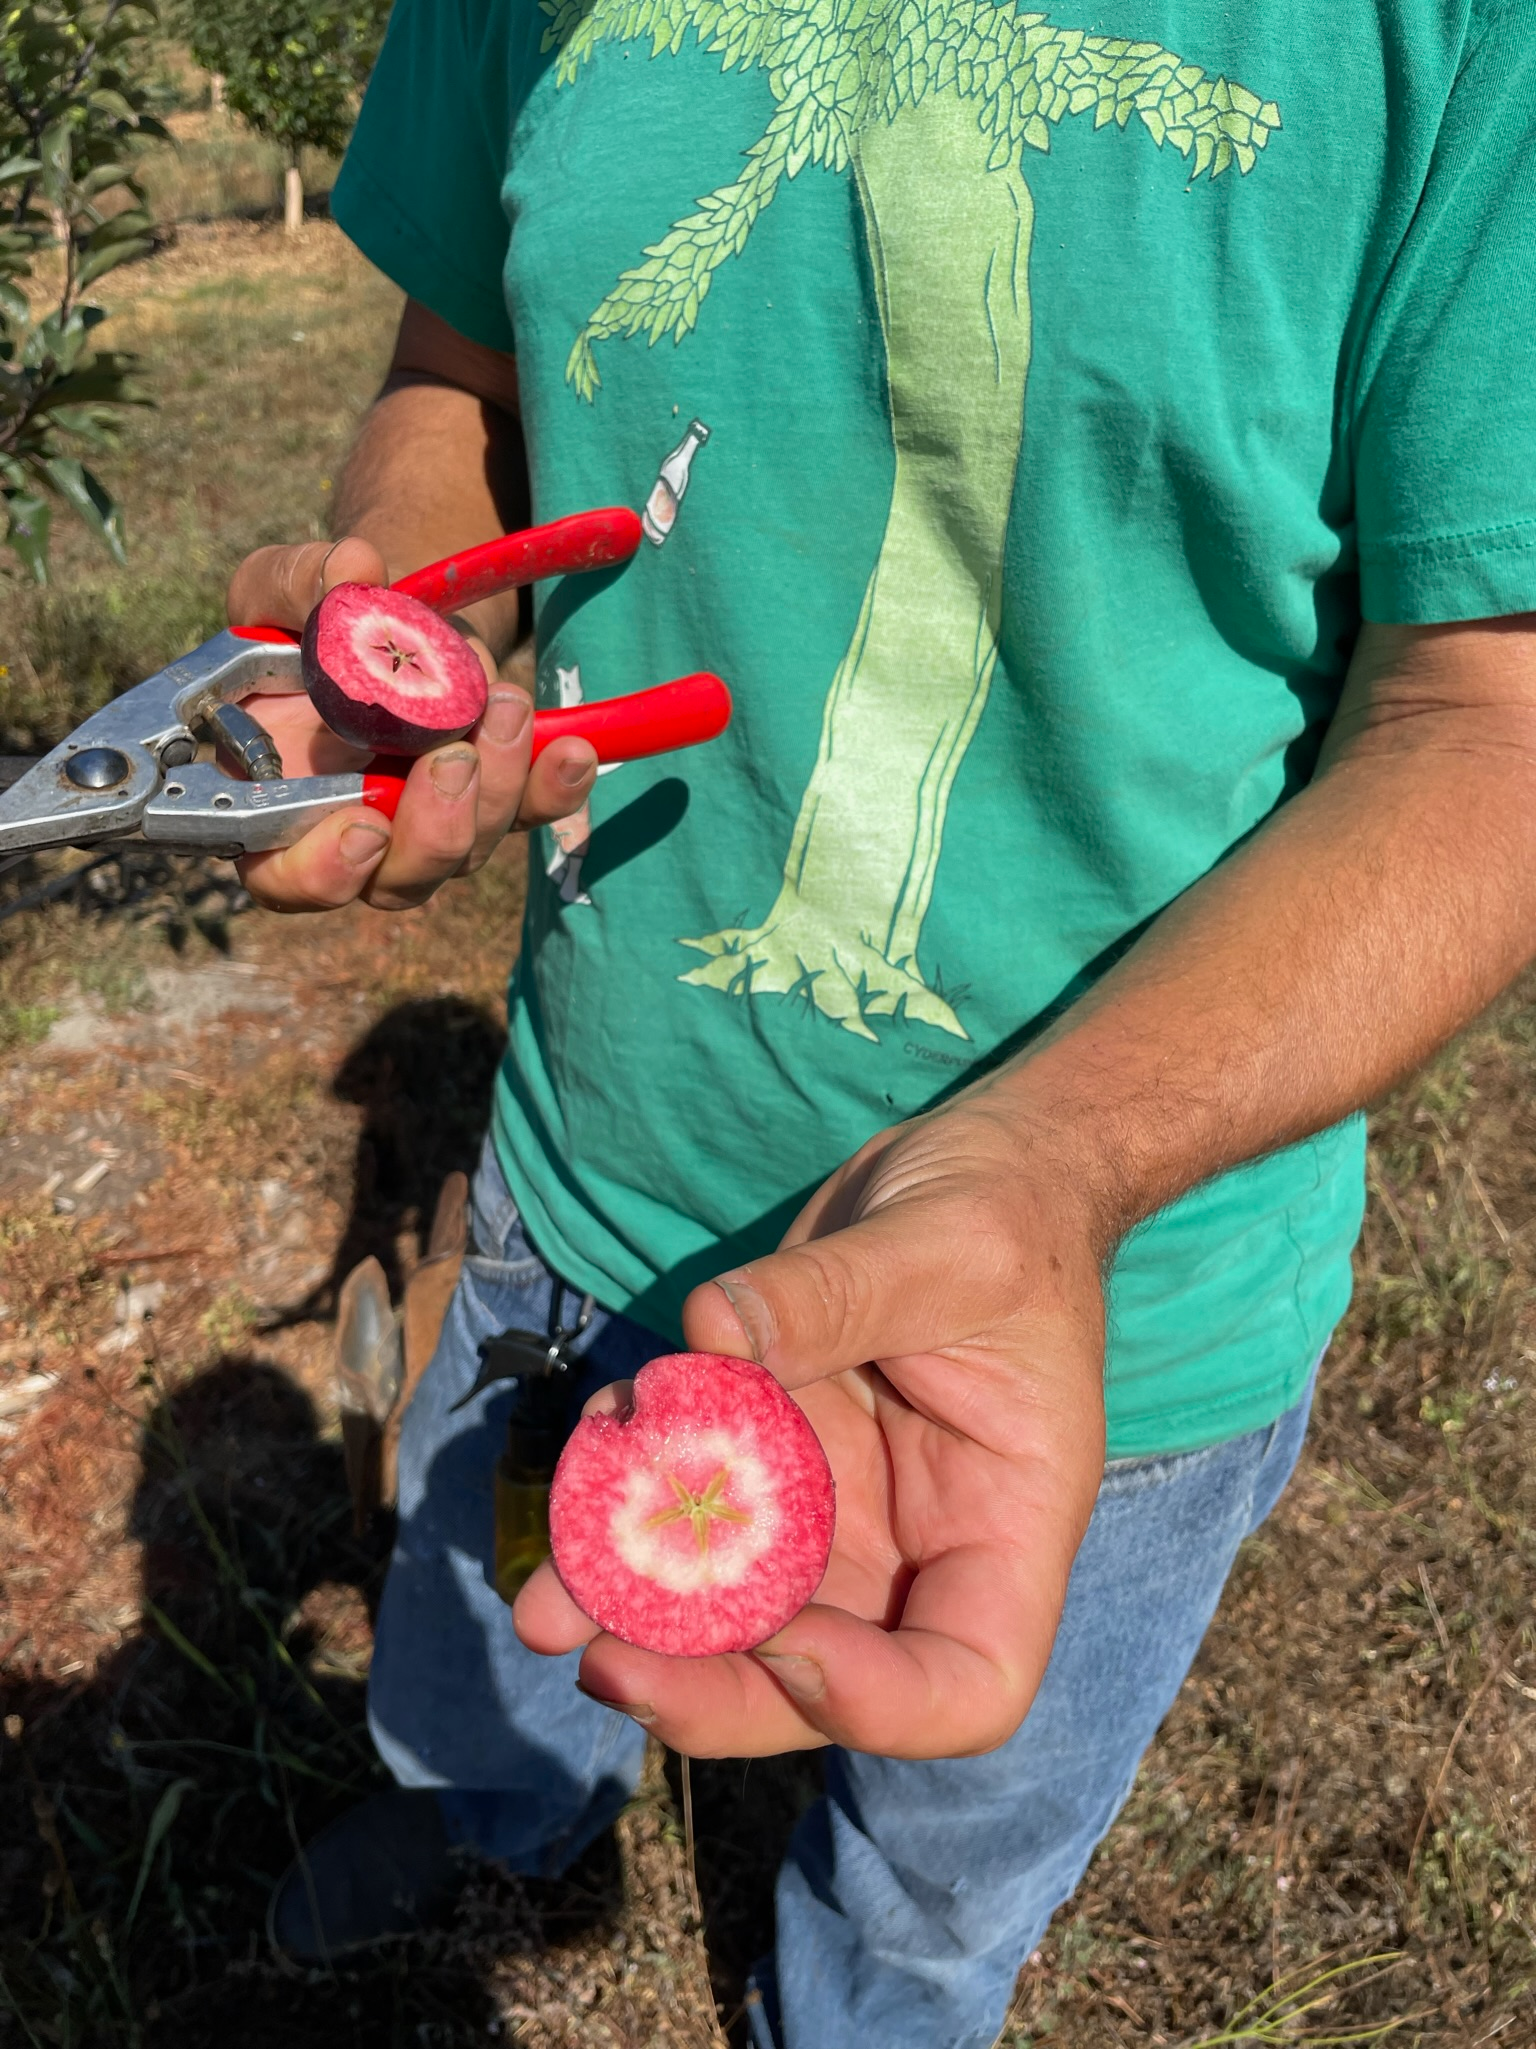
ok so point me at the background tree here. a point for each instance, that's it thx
(72, 113)
(292, 68)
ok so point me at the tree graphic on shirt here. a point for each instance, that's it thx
(931, 106)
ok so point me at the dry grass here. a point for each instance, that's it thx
(1345, 1785)
(217, 167)
(1349, 1768)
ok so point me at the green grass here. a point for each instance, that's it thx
(25, 1024)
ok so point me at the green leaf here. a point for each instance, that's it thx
(100, 261)
(188, 1649)
(104, 99)
(126, 226)
(89, 498)
(103, 178)
(102, 379)
(56, 151)
(166, 1810)
(92, 425)
(27, 530)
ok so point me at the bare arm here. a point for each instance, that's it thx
(1358, 931)
(438, 466)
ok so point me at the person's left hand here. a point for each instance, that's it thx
(459, 800)
(958, 1254)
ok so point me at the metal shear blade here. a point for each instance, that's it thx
(129, 771)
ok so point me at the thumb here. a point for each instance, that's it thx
(903, 1280)
(281, 586)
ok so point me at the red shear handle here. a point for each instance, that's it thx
(680, 714)
(566, 547)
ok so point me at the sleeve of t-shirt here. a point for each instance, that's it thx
(1445, 426)
(420, 189)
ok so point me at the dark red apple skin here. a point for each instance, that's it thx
(684, 1407)
(370, 726)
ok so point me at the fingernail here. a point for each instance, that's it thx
(574, 773)
(800, 1676)
(638, 1710)
(506, 717)
(362, 845)
(454, 770)
(752, 1313)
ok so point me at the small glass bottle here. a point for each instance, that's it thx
(660, 514)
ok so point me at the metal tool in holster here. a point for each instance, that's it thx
(540, 1422)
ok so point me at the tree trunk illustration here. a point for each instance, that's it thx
(949, 242)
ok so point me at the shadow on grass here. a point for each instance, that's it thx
(422, 1079)
(144, 1816)
(146, 1811)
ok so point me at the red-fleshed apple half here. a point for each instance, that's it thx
(388, 674)
(700, 1518)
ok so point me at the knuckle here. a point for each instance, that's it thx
(282, 886)
(441, 834)
(287, 903)
(449, 852)
(299, 578)
(399, 898)
(843, 1286)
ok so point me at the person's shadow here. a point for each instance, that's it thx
(145, 1813)
(422, 1078)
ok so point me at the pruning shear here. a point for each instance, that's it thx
(131, 772)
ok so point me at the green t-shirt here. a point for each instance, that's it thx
(1071, 389)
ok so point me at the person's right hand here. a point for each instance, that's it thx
(459, 801)
(937, 1311)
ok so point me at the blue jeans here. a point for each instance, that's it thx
(912, 1892)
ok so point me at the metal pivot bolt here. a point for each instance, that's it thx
(96, 768)
(246, 742)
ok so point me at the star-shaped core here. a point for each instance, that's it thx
(699, 1509)
(399, 657)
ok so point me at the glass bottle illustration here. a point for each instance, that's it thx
(660, 514)
(571, 835)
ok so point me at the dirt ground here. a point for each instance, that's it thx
(208, 1114)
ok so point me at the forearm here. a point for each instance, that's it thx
(439, 463)
(1356, 932)
(426, 478)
